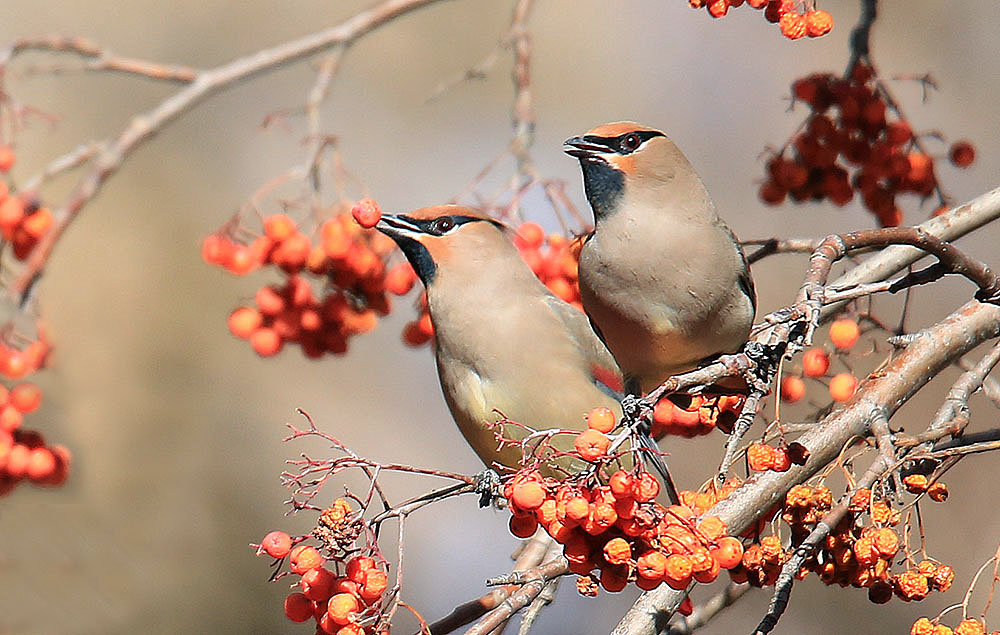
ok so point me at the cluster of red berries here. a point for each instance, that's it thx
(694, 415)
(22, 221)
(616, 533)
(853, 142)
(553, 258)
(793, 24)
(342, 594)
(860, 553)
(346, 262)
(24, 454)
(969, 626)
(844, 334)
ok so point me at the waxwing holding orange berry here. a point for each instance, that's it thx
(503, 342)
(662, 277)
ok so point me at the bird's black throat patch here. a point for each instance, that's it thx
(419, 257)
(603, 185)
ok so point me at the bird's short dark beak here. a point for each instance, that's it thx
(396, 226)
(581, 149)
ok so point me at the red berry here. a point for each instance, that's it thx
(818, 23)
(302, 558)
(792, 388)
(266, 342)
(244, 321)
(815, 363)
(529, 236)
(842, 386)
(276, 544)
(7, 158)
(366, 213)
(601, 419)
(962, 154)
(844, 333)
(298, 607)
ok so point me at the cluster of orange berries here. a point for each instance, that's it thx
(24, 454)
(793, 24)
(694, 415)
(924, 626)
(762, 457)
(857, 553)
(844, 334)
(347, 262)
(22, 221)
(853, 142)
(553, 258)
(616, 533)
(343, 595)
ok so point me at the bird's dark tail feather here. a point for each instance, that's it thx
(654, 458)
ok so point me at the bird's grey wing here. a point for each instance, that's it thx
(579, 327)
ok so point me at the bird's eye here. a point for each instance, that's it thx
(629, 142)
(442, 225)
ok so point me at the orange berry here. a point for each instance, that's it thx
(41, 464)
(317, 584)
(244, 321)
(358, 566)
(792, 389)
(278, 227)
(970, 627)
(342, 607)
(842, 386)
(818, 23)
(613, 579)
(276, 544)
(302, 558)
(678, 571)
(760, 456)
(782, 461)
(793, 25)
(266, 342)
(400, 279)
(529, 236)
(11, 215)
(886, 542)
(10, 418)
(617, 551)
(269, 301)
(523, 526)
(844, 333)
(26, 397)
(298, 607)
(241, 260)
(645, 488)
(712, 528)
(7, 158)
(38, 223)
(915, 483)
(577, 509)
(621, 483)
(528, 495)
(962, 154)
(376, 582)
(592, 444)
(943, 577)
(938, 492)
(601, 419)
(728, 552)
(717, 8)
(923, 626)
(911, 585)
(651, 565)
(815, 362)
(366, 213)
(214, 249)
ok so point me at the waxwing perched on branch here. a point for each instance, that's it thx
(503, 342)
(662, 277)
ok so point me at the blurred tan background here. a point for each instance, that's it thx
(175, 425)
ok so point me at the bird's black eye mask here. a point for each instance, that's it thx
(445, 224)
(626, 143)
